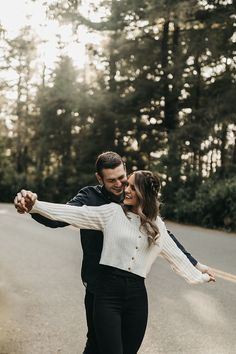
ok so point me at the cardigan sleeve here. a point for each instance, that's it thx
(85, 217)
(178, 260)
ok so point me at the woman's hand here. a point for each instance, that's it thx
(24, 201)
(212, 278)
(205, 269)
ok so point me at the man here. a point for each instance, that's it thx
(111, 174)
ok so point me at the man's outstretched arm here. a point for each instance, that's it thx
(25, 199)
(181, 247)
(201, 267)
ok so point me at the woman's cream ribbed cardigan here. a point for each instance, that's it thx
(124, 245)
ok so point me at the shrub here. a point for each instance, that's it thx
(214, 204)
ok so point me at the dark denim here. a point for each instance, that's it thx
(91, 345)
(120, 313)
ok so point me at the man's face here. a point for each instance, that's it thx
(113, 179)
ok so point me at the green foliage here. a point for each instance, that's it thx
(213, 204)
(160, 91)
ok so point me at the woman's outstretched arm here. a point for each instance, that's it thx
(179, 262)
(85, 217)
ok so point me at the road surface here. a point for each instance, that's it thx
(41, 295)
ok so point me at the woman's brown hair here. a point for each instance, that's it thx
(147, 186)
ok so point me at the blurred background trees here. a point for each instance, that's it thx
(159, 89)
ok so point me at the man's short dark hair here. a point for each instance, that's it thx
(108, 159)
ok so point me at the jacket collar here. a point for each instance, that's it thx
(111, 197)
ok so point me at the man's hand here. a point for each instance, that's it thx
(24, 201)
(205, 269)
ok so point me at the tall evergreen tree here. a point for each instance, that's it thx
(58, 104)
(18, 62)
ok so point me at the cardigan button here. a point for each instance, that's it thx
(136, 247)
(132, 258)
(129, 268)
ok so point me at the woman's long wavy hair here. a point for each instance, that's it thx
(147, 186)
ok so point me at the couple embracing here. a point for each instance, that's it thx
(122, 234)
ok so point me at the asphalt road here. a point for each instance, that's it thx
(41, 295)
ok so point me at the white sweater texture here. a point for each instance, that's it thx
(124, 245)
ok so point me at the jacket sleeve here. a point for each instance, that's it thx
(85, 217)
(178, 260)
(79, 200)
(181, 247)
(48, 222)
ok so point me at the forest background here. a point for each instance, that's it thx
(158, 88)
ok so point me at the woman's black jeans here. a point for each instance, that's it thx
(120, 313)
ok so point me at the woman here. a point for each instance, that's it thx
(134, 235)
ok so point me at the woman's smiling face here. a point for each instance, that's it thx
(131, 198)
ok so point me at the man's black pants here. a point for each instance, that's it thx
(91, 345)
(120, 311)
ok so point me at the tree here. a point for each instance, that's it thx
(19, 58)
(57, 123)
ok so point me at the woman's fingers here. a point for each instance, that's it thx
(212, 278)
(24, 201)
